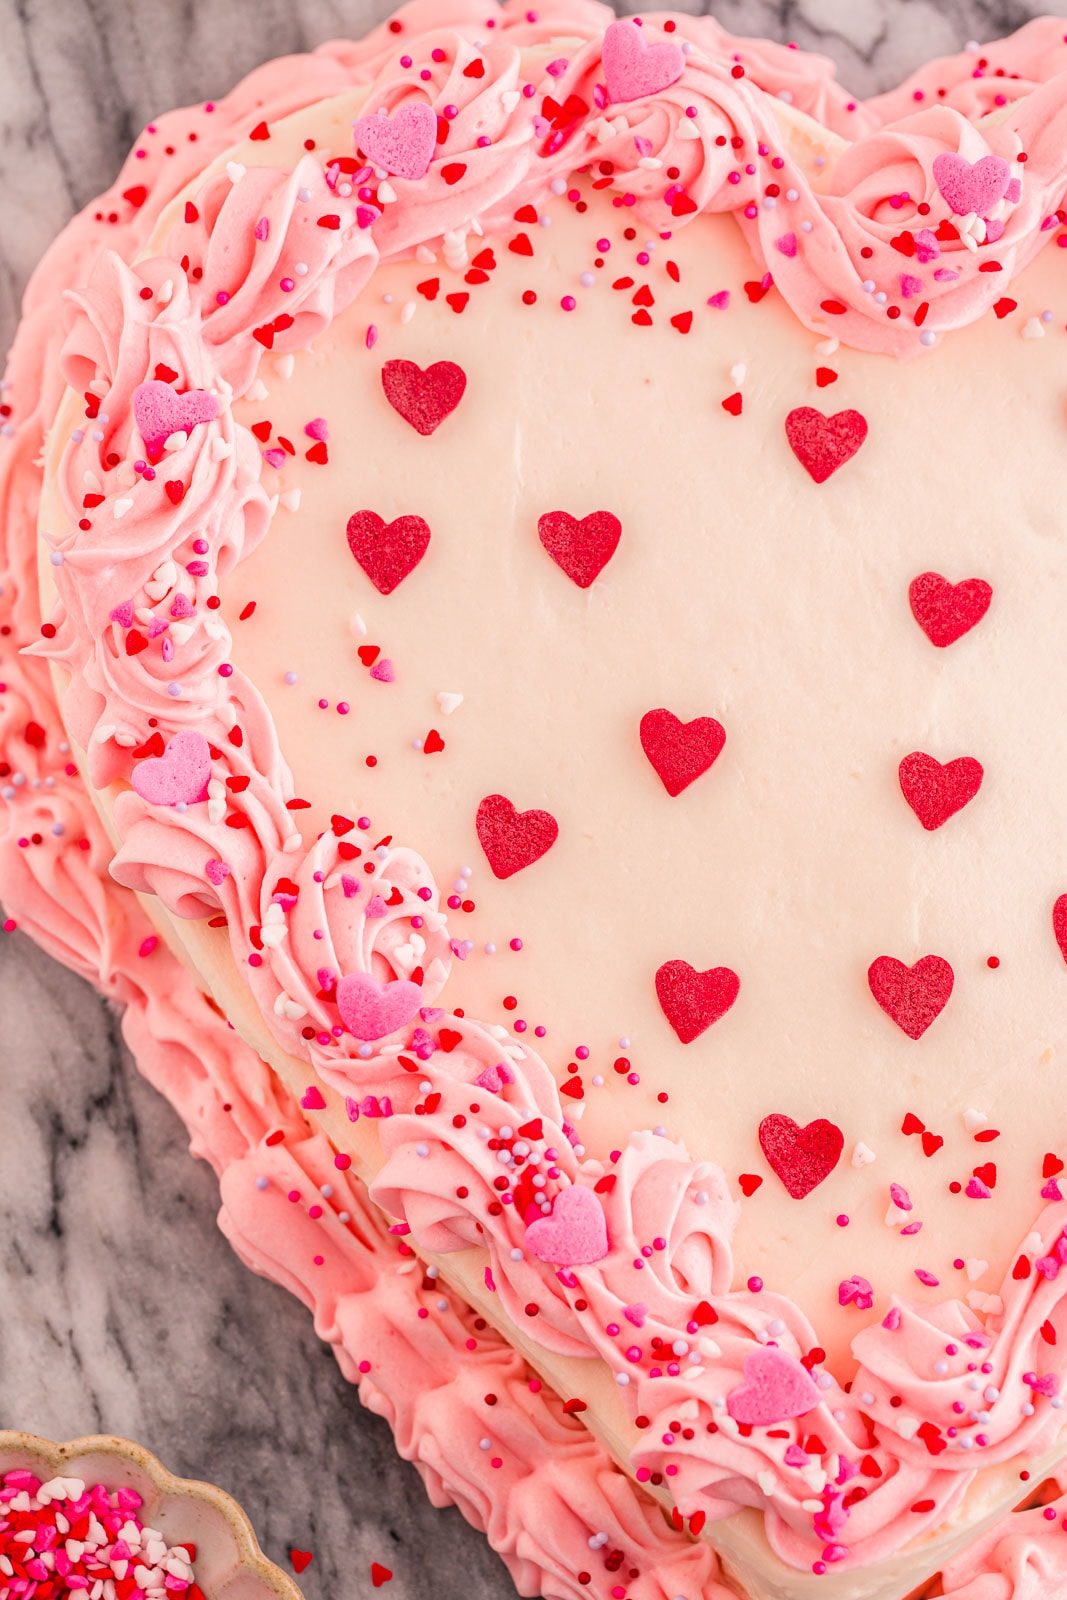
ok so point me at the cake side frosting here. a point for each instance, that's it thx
(166, 869)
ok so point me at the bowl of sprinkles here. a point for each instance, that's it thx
(101, 1519)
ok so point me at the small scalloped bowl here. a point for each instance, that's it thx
(229, 1563)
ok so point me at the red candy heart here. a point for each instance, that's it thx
(800, 1157)
(379, 1574)
(935, 792)
(946, 611)
(424, 399)
(581, 549)
(301, 1560)
(680, 751)
(1059, 924)
(913, 996)
(387, 551)
(690, 1000)
(513, 839)
(823, 444)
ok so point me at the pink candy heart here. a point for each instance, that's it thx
(179, 776)
(158, 412)
(776, 1388)
(403, 144)
(370, 1010)
(217, 871)
(574, 1235)
(968, 187)
(634, 68)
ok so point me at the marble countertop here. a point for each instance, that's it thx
(112, 1271)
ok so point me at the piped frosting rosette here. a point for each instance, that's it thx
(972, 83)
(471, 168)
(669, 149)
(252, 232)
(913, 214)
(460, 1176)
(945, 1366)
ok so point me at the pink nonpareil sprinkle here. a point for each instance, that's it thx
(146, 946)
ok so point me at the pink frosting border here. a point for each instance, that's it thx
(116, 342)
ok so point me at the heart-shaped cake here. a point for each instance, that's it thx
(473, 414)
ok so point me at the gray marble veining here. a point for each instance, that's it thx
(122, 1308)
